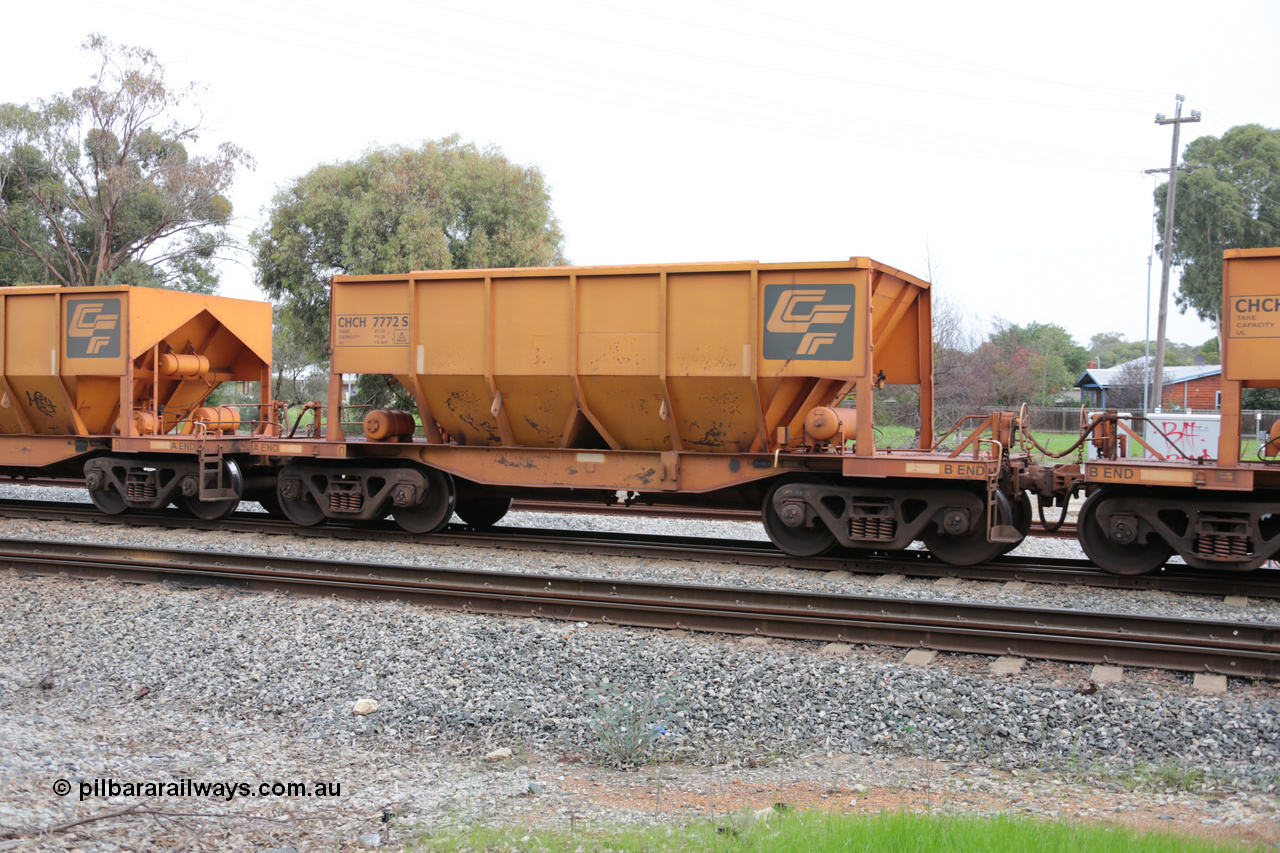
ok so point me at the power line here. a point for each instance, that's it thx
(992, 69)
(844, 128)
(754, 65)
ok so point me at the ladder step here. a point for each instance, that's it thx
(217, 494)
(211, 480)
(1005, 533)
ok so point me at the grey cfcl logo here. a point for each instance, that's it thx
(809, 322)
(93, 328)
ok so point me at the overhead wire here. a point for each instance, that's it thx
(758, 66)
(955, 64)
(657, 95)
(959, 60)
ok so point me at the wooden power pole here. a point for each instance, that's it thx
(1157, 381)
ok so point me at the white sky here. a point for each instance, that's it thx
(1005, 142)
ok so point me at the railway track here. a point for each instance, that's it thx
(1065, 530)
(919, 564)
(1067, 635)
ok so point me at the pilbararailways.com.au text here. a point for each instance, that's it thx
(226, 790)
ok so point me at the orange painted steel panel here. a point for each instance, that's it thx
(1251, 336)
(1251, 316)
(81, 361)
(620, 356)
(694, 357)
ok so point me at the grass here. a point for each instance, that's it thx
(817, 832)
(905, 437)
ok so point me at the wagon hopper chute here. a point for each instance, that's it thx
(707, 358)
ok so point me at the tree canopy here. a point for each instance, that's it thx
(297, 379)
(1031, 364)
(1111, 349)
(1234, 203)
(444, 205)
(99, 187)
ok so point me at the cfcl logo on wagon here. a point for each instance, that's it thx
(93, 328)
(809, 322)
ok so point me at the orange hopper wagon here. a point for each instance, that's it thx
(110, 382)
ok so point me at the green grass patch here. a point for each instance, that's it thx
(817, 832)
(893, 436)
(1057, 442)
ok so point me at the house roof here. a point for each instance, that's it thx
(1103, 378)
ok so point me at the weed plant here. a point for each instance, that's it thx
(628, 721)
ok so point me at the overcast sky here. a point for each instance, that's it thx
(997, 147)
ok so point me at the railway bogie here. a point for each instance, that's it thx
(807, 515)
(420, 498)
(209, 488)
(1132, 531)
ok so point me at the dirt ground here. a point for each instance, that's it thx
(673, 794)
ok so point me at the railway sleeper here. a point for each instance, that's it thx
(879, 517)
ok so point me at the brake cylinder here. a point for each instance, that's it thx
(181, 365)
(217, 418)
(145, 423)
(388, 425)
(825, 423)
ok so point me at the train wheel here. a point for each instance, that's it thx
(800, 541)
(481, 511)
(436, 508)
(1119, 558)
(971, 548)
(108, 500)
(209, 510)
(302, 512)
(295, 501)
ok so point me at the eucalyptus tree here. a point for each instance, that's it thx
(102, 186)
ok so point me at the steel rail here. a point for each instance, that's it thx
(920, 564)
(1241, 649)
(1066, 531)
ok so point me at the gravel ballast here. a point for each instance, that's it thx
(110, 681)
